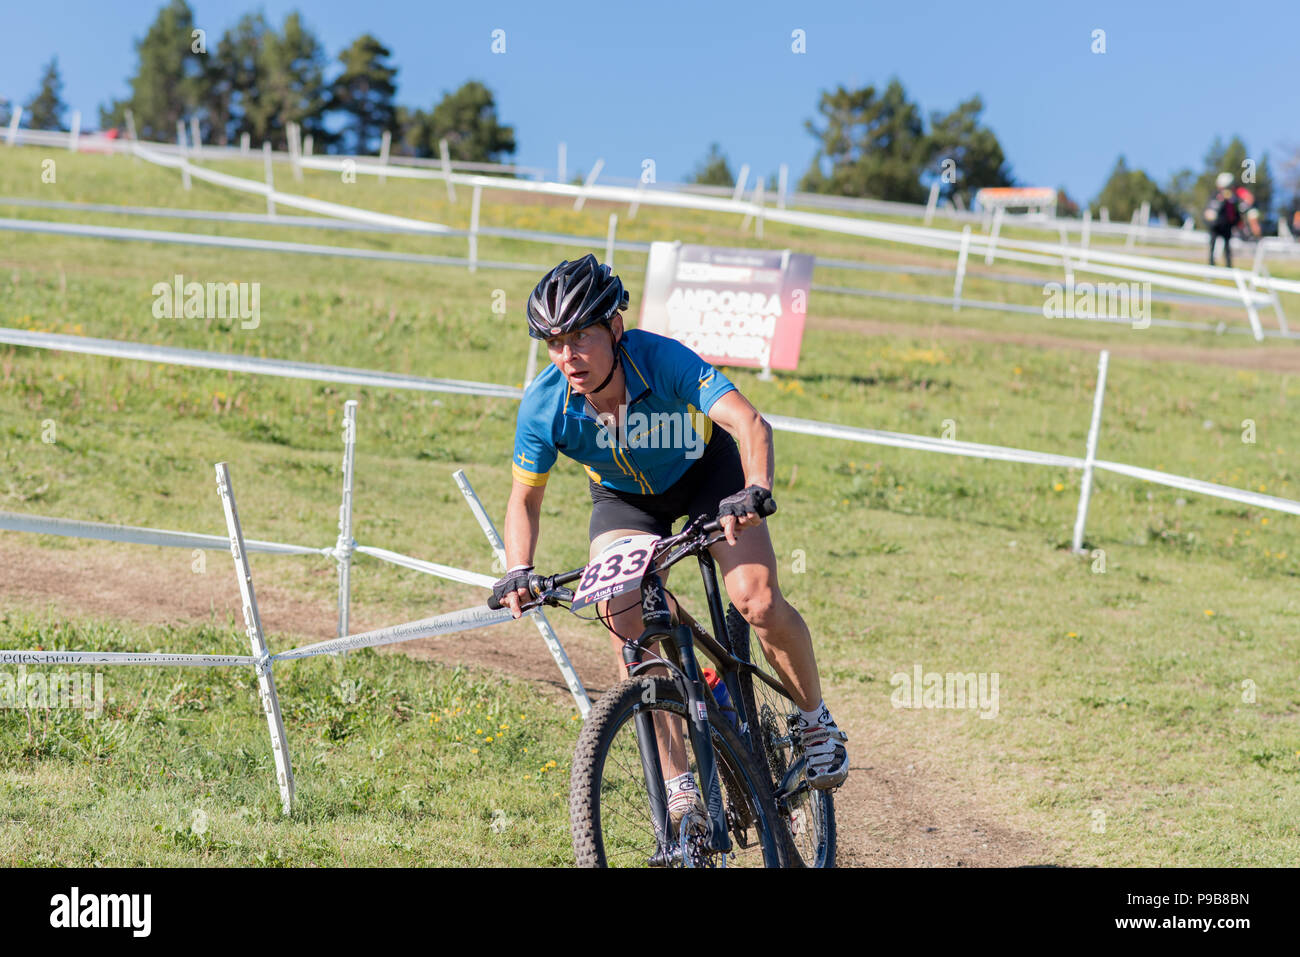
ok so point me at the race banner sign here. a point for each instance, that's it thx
(735, 307)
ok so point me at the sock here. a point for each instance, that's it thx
(681, 790)
(819, 715)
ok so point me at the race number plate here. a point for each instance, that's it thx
(618, 568)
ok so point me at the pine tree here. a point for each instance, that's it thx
(364, 92)
(467, 119)
(44, 111)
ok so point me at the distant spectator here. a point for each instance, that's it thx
(1222, 216)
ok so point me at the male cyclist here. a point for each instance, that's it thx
(601, 375)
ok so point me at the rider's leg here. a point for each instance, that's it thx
(749, 574)
(626, 622)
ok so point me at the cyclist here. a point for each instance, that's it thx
(601, 375)
(1226, 211)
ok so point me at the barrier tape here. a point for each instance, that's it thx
(430, 568)
(172, 355)
(258, 245)
(121, 658)
(476, 616)
(137, 535)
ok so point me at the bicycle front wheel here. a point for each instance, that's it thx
(610, 810)
(807, 814)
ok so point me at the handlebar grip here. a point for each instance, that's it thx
(494, 604)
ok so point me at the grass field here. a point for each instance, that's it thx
(1121, 691)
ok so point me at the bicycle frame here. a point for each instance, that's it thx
(679, 641)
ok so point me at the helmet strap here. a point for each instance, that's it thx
(605, 381)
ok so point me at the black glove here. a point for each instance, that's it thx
(514, 579)
(754, 499)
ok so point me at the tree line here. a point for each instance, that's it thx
(257, 79)
(871, 142)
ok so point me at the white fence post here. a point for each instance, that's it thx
(385, 144)
(588, 183)
(636, 203)
(445, 155)
(961, 268)
(1277, 303)
(1065, 255)
(757, 200)
(180, 144)
(993, 238)
(609, 240)
(13, 125)
(741, 177)
(307, 145)
(270, 177)
(196, 141)
(293, 139)
(75, 132)
(1084, 234)
(245, 143)
(253, 628)
(1104, 214)
(473, 228)
(539, 618)
(932, 202)
(1132, 231)
(1085, 489)
(343, 547)
(1249, 300)
(782, 178)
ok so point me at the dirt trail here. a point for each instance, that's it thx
(889, 815)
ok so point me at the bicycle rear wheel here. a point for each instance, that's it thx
(807, 813)
(608, 806)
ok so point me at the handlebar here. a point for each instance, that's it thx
(550, 590)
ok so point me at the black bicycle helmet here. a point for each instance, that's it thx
(572, 296)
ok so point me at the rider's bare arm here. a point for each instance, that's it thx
(752, 434)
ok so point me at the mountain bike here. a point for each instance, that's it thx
(758, 808)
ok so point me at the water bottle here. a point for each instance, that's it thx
(720, 694)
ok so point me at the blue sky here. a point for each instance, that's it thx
(628, 81)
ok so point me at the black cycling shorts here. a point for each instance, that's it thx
(717, 474)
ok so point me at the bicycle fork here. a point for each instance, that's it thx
(658, 625)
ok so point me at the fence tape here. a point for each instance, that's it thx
(244, 242)
(1258, 499)
(476, 616)
(225, 362)
(8, 657)
(137, 535)
(430, 568)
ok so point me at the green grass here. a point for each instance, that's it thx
(1121, 690)
(397, 763)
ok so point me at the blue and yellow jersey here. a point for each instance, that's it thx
(670, 390)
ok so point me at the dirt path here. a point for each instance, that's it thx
(889, 814)
(1269, 356)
